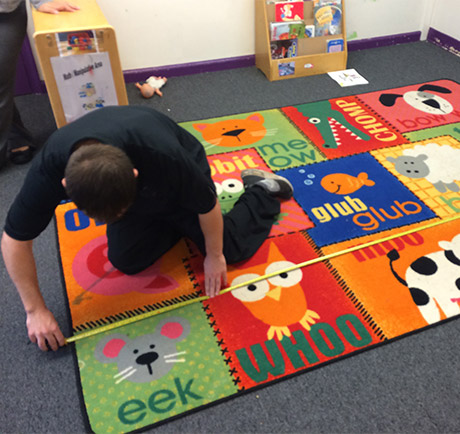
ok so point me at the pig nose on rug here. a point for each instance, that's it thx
(147, 359)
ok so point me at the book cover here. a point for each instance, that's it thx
(297, 30)
(292, 49)
(327, 16)
(284, 49)
(334, 45)
(289, 11)
(309, 31)
(280, 31)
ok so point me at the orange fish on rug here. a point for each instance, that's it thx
(342, 183)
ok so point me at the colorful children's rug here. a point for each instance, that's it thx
(363, 167)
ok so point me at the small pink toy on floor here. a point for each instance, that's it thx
(151, 86)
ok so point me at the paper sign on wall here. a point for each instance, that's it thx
(85, 83)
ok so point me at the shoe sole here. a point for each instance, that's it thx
(266, 175)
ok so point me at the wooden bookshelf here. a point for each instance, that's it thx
(312, 57)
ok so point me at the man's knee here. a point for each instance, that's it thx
(126, 264)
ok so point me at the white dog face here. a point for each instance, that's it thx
(423, 99)
(428, 102)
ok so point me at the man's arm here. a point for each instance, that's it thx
(215, 266)
(20, 262)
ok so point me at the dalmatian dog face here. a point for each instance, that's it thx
(144, 358)
(422, 99)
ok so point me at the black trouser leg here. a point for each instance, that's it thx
(136, 242)
(12, 31)
(246, 226)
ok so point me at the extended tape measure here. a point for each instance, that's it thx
(146, 315)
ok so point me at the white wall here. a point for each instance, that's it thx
(157, 33)
(373, 18)
(446, 17)
(152, 33)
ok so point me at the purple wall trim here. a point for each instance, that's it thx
(134, 75)
(27, 78)
(383, 41)
(444, 41)
(36, 84)
(21, 84)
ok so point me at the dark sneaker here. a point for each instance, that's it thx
(21, 154)
(275, 185)
(20, 147)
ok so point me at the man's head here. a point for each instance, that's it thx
(101, 180)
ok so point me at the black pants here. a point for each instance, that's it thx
(12, 30)
(137, 242)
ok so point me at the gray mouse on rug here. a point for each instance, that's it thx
(147, 357)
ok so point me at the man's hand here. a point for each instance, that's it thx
(43, 328)
(56, 6)
(20, 263)
(215, 265)
(215, 274)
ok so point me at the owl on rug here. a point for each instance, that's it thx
(279, 301)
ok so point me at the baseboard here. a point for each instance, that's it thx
(444, 41)
(383, 41)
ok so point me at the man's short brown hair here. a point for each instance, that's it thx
(100, 180)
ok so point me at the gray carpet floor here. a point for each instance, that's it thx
(410, 385)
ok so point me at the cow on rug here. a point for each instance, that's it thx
(434, 280)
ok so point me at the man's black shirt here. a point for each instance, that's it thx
(174, 175)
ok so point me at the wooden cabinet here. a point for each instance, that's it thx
(79, 59)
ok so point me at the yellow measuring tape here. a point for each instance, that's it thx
(142, 316)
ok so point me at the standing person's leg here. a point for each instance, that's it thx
(12, 30)
(21, 145)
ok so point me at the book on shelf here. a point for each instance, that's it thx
(285, 30)
(283, 49)
(310, 31)
(327, 15)
(283, 1)
(334, 45)
(289, 11)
